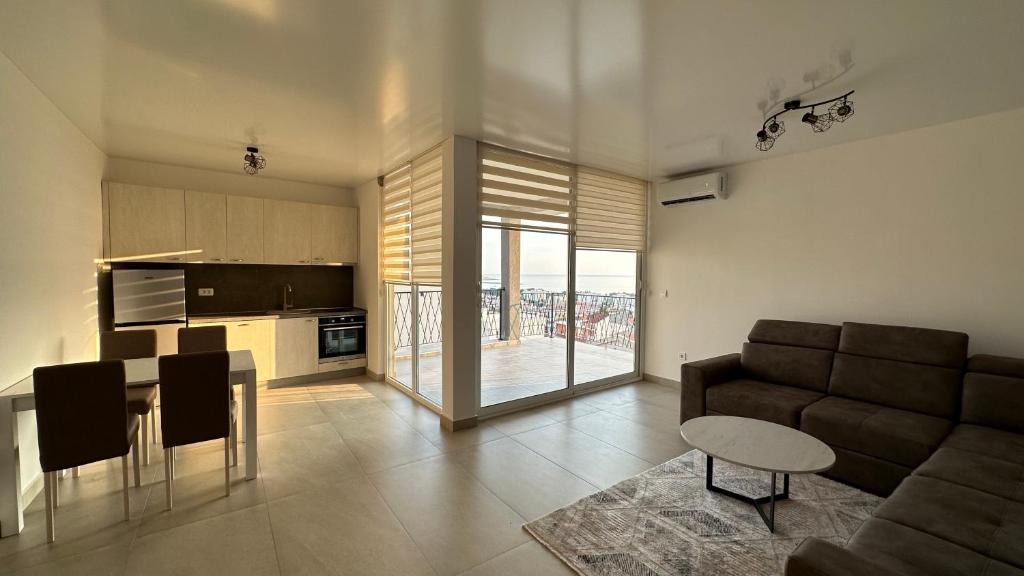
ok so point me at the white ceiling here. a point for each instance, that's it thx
(337, 92)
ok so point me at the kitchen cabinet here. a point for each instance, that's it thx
(244, 230)
(334, 234)
(205, 226)
(145, 223)
(296, 352)
(256, 336)
(286, 232)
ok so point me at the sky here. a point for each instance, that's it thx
(548, 254)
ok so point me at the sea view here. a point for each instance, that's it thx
(593, 283)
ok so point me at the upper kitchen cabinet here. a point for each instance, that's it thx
(145, 223)
(245, 230)
(205, 218)
(334, 235)
(286, 232)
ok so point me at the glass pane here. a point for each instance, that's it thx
(399, 350)
(429, 316)
(605, 315)
(523, 314)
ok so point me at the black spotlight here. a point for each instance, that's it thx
(818, 123)
(764, 141)
(253, 161)
(840, 111)
(776, 128)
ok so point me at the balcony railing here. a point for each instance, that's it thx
(601, 319)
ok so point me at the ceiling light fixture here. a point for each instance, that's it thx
(841, 108)
(253, 161)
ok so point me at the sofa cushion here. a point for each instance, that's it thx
(905, 344)
(760, 400)
(999, 477)
(988, 441)
(999, 365)
(914, 553)
(917, 387)
(789, 333)
(985, 523)
(806, 368)
(993, 400)
(900, 436)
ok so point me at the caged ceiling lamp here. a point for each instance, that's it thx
(253, 161)
(839, 109)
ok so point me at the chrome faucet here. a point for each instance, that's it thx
(288, 292)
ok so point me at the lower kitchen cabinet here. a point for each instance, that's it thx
(256, 336)
(295, 347)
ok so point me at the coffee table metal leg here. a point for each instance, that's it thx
(771, 499)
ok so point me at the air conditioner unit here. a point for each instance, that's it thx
(692, 189)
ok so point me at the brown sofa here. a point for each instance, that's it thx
(905, 419)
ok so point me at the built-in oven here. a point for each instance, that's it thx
(342, 337)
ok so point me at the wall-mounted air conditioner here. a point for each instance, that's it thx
(709, 186)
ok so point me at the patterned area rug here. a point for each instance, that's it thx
(664, 522)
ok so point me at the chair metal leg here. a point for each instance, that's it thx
(234, 442)
(135, 462)
(74, 472)
(144, 430)
(124, 478)
(227, 467)
(48, 480)
(169, 477)
(56, 489)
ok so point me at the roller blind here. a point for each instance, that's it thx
(396, 215)
(426, 217)
(524, 192)
(611, 211)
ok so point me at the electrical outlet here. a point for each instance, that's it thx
(206, 291)
(682, 356)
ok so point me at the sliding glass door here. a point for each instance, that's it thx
(606, 316)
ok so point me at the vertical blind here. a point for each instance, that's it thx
(603, 210)
(411, 225)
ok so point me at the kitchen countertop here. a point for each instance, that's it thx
(268, 315)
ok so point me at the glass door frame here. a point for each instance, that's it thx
(571, 389)
(413, 389)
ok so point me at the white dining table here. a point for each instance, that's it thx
(138, 372)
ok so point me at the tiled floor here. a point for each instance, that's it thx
(356, 478)
(533, 366)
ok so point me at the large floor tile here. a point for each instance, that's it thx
(517, 422)
(200, 496)
(654, 446)
(346, 528)
(530, 559)
(295, 460)
(529, 483)
(236, 543)
(109, 561)
(299, 410)
(428, 424)
(660, 417)
(456, 521)
(595, 461)
(384, 442)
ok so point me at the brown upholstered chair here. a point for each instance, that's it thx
(202, 339)
(81, 417)
(127, 345)
(196, 406)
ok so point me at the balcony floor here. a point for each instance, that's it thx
(533, 366)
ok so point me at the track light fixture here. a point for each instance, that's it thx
(253, 161)
(840, 108)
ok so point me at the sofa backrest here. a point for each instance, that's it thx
(994, 392)
(916, 369)
(790, 353)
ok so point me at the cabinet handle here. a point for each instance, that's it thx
(216, 259)
(309, 319)
(303, 261)
(236, 260)
(174, 258)
(242, 325)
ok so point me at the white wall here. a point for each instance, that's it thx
(50, 230)
(922, 228)
(241, 184)
(367, 286)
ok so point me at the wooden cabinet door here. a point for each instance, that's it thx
(206, 226)
(295, 347)
(244, 230)
(253, 335)
(286, 232)
(334, 234)
(145, 223)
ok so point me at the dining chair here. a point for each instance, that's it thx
(141, 400)
(197, 407)
(82, 417)
(202, 339)
(209, 339)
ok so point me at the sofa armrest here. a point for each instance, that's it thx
(698, 376)
(816, 557)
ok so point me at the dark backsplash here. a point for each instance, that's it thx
(255, 287)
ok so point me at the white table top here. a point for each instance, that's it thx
(141, 372)
(758, 444)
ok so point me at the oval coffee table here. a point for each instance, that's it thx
(758, 445)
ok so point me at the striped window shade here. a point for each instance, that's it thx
(523, 192)
(611, 211)
(426, 217)
(396, 216)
